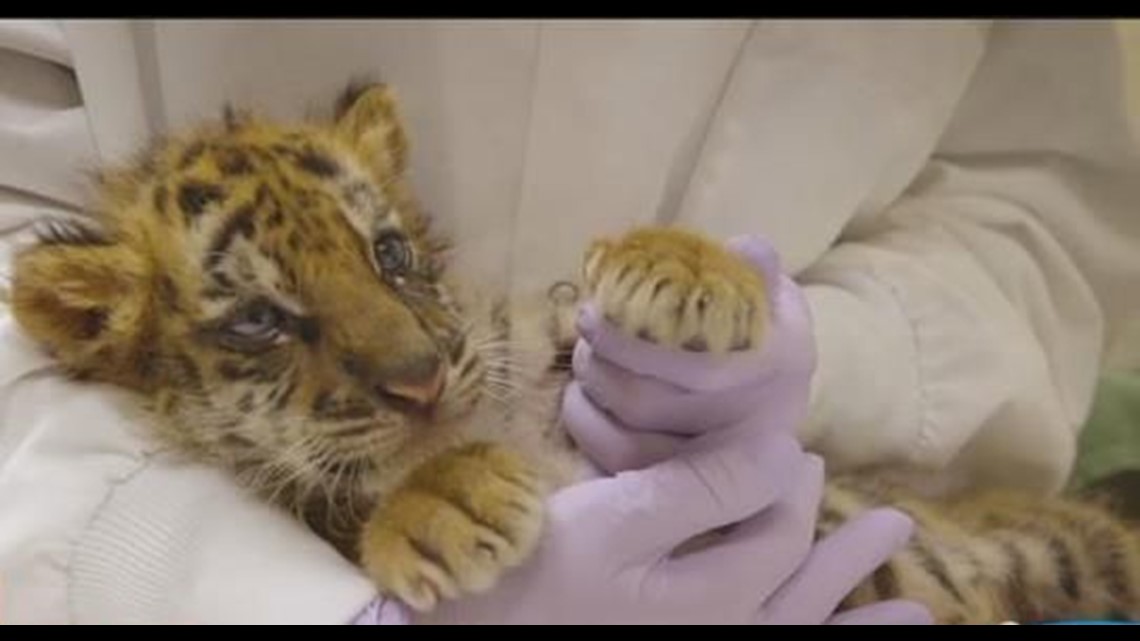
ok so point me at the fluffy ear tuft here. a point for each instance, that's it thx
(86, 302)
(369, 121)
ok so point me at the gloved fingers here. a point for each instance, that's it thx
(894, 612)
(647, 403)
(757, 556)
(695, 371)
(716, 480)
(637, 400)
(836, 565)
(608, 444)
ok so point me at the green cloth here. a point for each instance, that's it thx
(1110, 442)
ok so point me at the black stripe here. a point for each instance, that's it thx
(146, 364)
(262, 197)
(1017, 584)
(355, 366)
(308, 330)
(1107, 550)
(238, 441)
(263, 156)
(270, 368)
(217, 293)
(316, 163)
(458, 347)
(351, 411)
(885, 582)
(1111, 553)
(192, 154)
(161, 193)
(325, 408)
(294, 241)
(194, 196)
(234, 162)
(563, 361)
(92, 322)
(168, 294)
(188, 370)
(306, 201)
(936, 568)
(966, 553)
(277, 216)
(322, 402)
(290, 275)
(232, 371)
(223, 282)
(240, 222)
(468, 367)
(1066, 566)
(285, 395)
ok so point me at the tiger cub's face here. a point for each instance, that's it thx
(273, 291)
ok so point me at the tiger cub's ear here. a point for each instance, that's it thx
(85, 299)
(368, 119)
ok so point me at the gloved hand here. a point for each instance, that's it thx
(634, 403)
(606, 555)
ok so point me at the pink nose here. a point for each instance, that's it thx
(422, 393)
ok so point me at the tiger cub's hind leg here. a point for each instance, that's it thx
(1002, 557)
(941, 567)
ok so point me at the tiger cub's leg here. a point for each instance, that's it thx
(995, 557)
(942, 567)
(1065, 559)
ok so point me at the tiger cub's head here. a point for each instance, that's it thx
(272, 290)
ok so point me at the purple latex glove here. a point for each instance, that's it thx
(634, 403)
(606, 557)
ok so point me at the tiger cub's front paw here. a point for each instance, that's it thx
(679, 289)
(455, 526)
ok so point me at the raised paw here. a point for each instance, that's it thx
(455, 526)
(679, 289)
